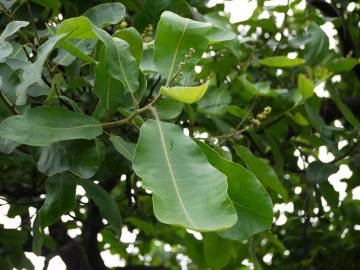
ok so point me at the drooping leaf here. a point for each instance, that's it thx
(281, 62)
(305, 86)
(175, 35)
(252, 203)
(11, 28)
(187, 190)
(109, 90)
(106, 204)
(80, 157)
(189, 94)
(317, 47)
(107, 13)
(262, 170)
(60, 198)
(42, 126)
(125, 148)
(32, 73)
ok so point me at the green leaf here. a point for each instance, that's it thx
(109, 90)
(7, 146)
(104, 14)
(60, 198)
(53, 4)
(187, 190)
(190, 94)
(262, 170)
(215, 101)
(42, 126)
(134, 39)
(125, 148)
(319, 172)
(75, 49)
(281, 62)
(11, 28)
(175, 35)
(77, 28)
(219, 34)
(32, 73)
(342, 64)
(80, 157)
(346, 112)
(217, 251)
(106, 204)
(252, 203)
(169, 109)
(305, 86)
(5, 50)
(317, 47)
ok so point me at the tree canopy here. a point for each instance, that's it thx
(215, 144)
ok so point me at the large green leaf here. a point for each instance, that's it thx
(42, 126)
(107, 13)
(32, 73)
(187, 190)
(281, 61)
(80, 157)
(106, 204)
(60, 198)
(252, 203)
(263, 171)
(174, 37)
(189, 94)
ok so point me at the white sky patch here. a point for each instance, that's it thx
(344, 172)
(356, 193)
(324, 154)
(127, 236)
(320, 90)
(111, 260)
(240, 10)
(331, 32)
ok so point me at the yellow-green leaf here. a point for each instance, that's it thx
(186, 94)
(305, 86)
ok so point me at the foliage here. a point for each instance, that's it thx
(163, 118)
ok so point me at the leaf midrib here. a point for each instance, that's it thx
(173, 179)
(177, 50)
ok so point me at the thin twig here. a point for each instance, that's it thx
(131, 116)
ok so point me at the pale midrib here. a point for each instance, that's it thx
(177, 50)
(123, 72)
(69, 54)
(163, 144)
(61, 128)
(108, 93)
